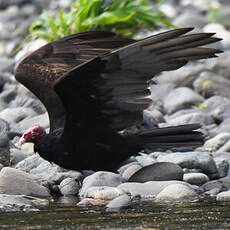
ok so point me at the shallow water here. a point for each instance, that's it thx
(206, 214)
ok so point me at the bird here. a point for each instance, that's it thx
(95, 86)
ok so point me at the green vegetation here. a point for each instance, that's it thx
(123, 17)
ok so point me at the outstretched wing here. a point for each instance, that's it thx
(111, 91)
(42, 68)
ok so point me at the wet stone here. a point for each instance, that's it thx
(161, 171)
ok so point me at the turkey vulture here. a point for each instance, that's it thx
(95, 85)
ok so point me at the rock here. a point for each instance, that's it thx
(161, 171)
(129, 171)
(101, 178)
(224, 127)
(17, 156)
(11, 181)
(29, 163)
(181, 77)
(191, 19)
(192, 160)
(4, 143)
(198, 117)
(69, 186)
(118, 204)
(181, 98)
(217, 107)
(14, 203)
(215, 184)
(66, 200)
(213, 192)
(149, 119)
(160, 91)
(220, 31)
(223, 196)
(28, 102)
(146, 190)
(209, 84)
(222, 167)
(42, 120)
(6, 64)
(102, 192)
(14, 115)
(145, 159)
(196, 178)
(177, 192)
(91, 202)
(216, 142)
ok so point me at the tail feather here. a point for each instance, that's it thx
(172, 137)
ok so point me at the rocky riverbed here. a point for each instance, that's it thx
(196, 93)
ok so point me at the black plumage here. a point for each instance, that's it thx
(95, 84)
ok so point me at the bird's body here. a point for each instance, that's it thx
(95, 85)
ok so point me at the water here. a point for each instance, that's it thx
(206, 214)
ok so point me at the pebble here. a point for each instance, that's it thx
(68, 186)
(181, 98)
(195, 178)
(101, 178)
(102, 192)
(147, 190)
(11, 181)
(160, 171)
(223, 196)
(119, 204)
(177, 193)
(192, 160)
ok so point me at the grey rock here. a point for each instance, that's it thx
(42, 120)
(118, 204)
(222, 167)
(220, 31)
(66, 200)
(148, 189)
(225, 147)
(213, 192)
(188, 18)
(217, 107)
(224, 126)
(4, 143)
(102, 192)
(101, 178)
(197, 160)
(11, 181)
(145, 159)
(69, 186)
(181, 98)
(160, 171)
(215, 184)
(191, 118)
(16, 114)
(196, 178)
(181, 77)
(129, 171)
(209, 84)
(28, 102)
(151, 118)
(8, 95)
(223, 196)
(5, 4)
(160, 91)
(17, 156)
(15, 203)
(29, 163)
(216, 142)
(177, 192)
(6, 65)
